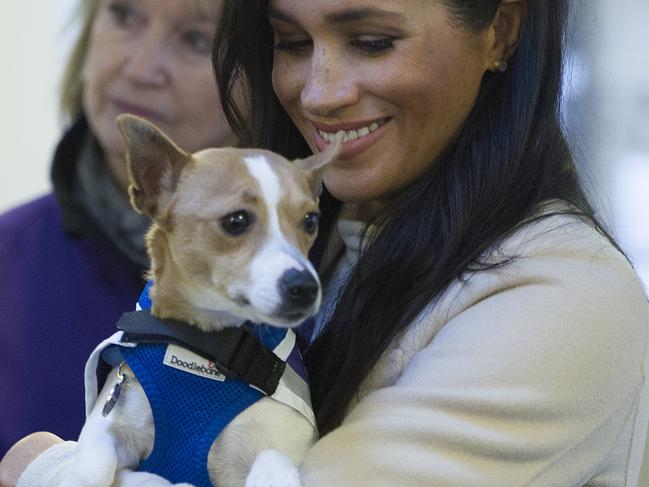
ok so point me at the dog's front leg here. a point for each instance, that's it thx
(96, 459)
(273, 469)
(115, 441)
(261, 447)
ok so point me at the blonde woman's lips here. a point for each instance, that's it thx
(139, 110)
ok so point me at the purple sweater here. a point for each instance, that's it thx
(61, 291)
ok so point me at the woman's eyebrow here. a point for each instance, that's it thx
(344, 16)
(273, 13)
(362, 13)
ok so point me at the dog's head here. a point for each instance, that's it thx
(231, 227)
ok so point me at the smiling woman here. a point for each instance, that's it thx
(354, 71)
(468, 333)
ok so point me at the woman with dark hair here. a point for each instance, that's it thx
(479, 326)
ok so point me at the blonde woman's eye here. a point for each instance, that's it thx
(198, 41)
(123, 14)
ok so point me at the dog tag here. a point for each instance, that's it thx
(113, 395)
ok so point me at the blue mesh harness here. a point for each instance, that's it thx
(191, 401)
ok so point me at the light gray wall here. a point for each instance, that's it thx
(623, 101)
(608, 115)
(33, 45)
(618, 123)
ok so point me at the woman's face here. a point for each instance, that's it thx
(153, 58)
(398, 76)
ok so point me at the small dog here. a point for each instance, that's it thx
(229, 241)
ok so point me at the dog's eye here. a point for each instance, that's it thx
(236, 223)
(311, 222)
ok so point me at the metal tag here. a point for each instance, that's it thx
(113, 395)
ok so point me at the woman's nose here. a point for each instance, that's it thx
(147, 62)
(328, 86)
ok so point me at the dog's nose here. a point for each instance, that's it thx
(299, 289)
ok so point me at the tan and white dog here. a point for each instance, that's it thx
(231, 231)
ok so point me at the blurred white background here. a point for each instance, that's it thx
(606, 110)
(34, 43)
(607, 115)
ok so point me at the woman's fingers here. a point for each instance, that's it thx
(22, 453)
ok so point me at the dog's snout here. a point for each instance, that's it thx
(298, 288)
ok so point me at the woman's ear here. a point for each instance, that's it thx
(504, 32)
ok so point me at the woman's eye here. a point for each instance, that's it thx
(123, 13)
(292, 46)
(236, 223)
(199, 42)
(373, 45)
(311, 222)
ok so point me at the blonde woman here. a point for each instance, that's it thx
(72, 260)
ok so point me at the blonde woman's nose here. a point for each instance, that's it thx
(148, 61)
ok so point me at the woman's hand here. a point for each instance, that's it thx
(22, 454)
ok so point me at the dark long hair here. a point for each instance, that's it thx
(509, 158)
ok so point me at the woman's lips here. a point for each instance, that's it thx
(351, 148)
(140, 111)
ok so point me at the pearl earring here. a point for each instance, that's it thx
(501, 66)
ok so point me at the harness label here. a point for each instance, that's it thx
(192, 363)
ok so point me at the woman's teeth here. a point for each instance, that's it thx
(351, 134)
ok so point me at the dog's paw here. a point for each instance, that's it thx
(91, 467)
(273, 469)
(129, 478)
(86, 478)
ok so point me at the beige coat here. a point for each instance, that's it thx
(532, 374)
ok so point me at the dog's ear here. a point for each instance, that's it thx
(154, 164)
(315, 165)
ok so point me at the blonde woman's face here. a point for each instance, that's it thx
(153, 58)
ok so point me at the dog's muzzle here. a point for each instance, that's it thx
(299, 290)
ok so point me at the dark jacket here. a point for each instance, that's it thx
(62, 287)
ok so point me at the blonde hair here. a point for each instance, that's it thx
(72, 80)
(71, 93)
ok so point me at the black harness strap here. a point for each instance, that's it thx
(236, 351)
